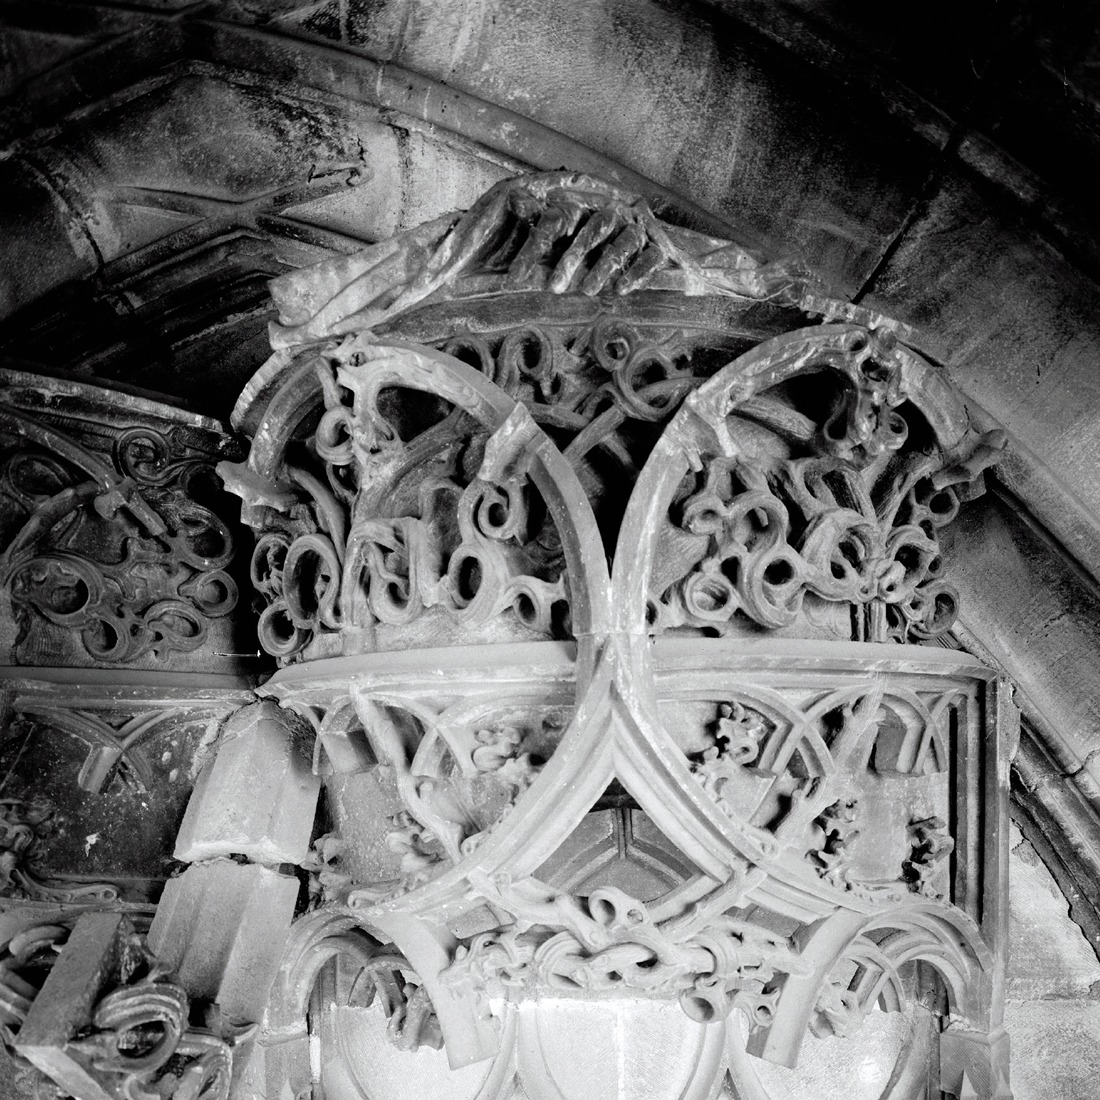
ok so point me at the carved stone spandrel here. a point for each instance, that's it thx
(258, 796)
(114, 754)
(222, 925)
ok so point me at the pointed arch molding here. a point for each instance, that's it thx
(553, 501)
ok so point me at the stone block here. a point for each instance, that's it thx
(223, 927)
(259, 796)
(1049, 955)
(1055, 1049)
(275, 1066)
(64, 1007)
(974, 1065)
(347, 748)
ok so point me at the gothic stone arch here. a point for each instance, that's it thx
(600, 560)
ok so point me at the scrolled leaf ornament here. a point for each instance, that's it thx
(134, 1040)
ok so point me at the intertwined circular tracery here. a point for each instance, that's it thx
(596, 562)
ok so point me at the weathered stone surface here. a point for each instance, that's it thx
(1049, 957)
(1044, 635)
(222, 926)
(688, 92)
(823, 151)
(257, 798)
(275, 1064)
(1055, 1044)
(973, 1064)
(1015, 325)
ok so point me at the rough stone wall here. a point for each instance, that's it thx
(1053, 999)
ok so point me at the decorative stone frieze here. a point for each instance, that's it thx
(122, 644)
(596, 556)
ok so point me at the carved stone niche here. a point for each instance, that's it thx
(599, 555)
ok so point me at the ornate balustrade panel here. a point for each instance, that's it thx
(597, 571)
(701, 775)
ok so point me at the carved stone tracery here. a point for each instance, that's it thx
(107, 530)
(564, 513)
(566, 401)
(120, 648)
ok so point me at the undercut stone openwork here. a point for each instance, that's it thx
(597, 556)
(112, 549)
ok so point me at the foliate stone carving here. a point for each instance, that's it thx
(788, 733)
(931, 845)
(112, 550)
(610, 941)
(559, 232)
(846, 465)
(558, 507)
(815, 494)
(465, 534)
(411, 1022)
(456, 771)
(418, 849)
(734, 741)
(327, 883)
(838, 826)
(499, 753)
(95, 1013)
(837, 1011)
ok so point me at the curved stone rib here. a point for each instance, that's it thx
(940, 934)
